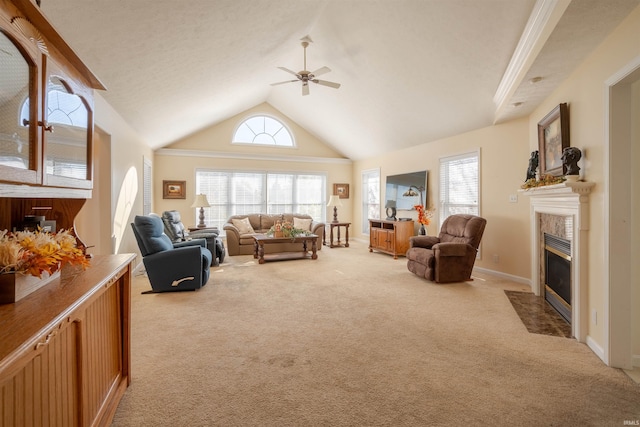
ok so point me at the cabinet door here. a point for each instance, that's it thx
(45, 389)
(102, 352)
(67, 133)
(19, 148)
(391, 241)
(381, 237)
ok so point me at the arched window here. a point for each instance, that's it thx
(263, 130)
(62, 107)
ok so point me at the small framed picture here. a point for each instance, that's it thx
(174, 189)
(341, 190)
(553, 137)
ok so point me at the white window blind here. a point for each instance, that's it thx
(370, 197)
(147, 185)
(237, 192)
(459, 185)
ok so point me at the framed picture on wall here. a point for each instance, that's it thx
(553, 137)
(174, 189)
(341, 190)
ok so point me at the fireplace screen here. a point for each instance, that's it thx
(557, 255)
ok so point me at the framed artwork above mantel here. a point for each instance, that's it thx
(553, 137)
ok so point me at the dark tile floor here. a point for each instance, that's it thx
(537, 315)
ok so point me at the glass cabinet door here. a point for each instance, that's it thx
(18, 117)
(66, 135)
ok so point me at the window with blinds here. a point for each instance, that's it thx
(237, 192)
(147, 186)
(370, 197)
(459, 185)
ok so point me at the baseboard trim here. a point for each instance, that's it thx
(512, 277)
(138, 268)
(635, 360)
(596, 348)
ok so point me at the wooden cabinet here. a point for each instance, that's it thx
(46, 106)
(65, 349)
(391, 237)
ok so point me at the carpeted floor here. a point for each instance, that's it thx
(355, 339)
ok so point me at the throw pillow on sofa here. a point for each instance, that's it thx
(302, 223)
(243, 225)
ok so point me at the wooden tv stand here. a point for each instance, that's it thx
(390, 237)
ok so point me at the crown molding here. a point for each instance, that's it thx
(543, 19)
(244, 156)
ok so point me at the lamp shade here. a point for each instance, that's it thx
(390, 204)
(409, 193)
(200, 201)
(334, 201)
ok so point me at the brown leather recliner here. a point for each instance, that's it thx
(450, 256)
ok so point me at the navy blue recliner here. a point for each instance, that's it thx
(171, 266)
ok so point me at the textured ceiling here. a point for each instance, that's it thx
(412, 71)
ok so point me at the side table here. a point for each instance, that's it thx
(337, 225)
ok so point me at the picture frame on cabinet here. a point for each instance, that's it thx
(174, 189)
(553, 137)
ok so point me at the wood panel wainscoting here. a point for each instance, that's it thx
(65, 349)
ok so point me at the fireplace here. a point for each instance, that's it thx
(562, 210)
(557, 274)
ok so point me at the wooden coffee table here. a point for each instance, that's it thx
(261, 239)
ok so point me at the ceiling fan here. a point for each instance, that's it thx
(307, 76)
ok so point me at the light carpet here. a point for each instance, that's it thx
(354, 339)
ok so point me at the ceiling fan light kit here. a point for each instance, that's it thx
(305, 76)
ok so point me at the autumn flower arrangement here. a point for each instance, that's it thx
(424, 215)
(285, 229)
(37, 252)
(544, 180)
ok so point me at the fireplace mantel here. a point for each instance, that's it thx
(578, 187)
(565, 199)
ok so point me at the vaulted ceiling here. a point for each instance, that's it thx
(412, 71)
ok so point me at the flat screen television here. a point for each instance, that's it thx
(397, 185)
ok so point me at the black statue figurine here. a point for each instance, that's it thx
(533, 165)
(570, 158)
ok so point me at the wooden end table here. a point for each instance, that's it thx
(337, 225)
(261, 239)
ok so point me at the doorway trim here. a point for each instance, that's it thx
(618, 351)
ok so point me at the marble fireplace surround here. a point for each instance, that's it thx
(563, 210)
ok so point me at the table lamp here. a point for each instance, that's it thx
(411, 193)
(335, 202)
(201, 202)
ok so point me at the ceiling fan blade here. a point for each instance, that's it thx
(321, 71)
(305, 89)
(289, 71)
(281, 83)
(326, 83)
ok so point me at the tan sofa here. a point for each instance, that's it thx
(243, 244)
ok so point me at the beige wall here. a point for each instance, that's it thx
(584, 91)
(215, 151)
(112, 213)
(504, 154)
